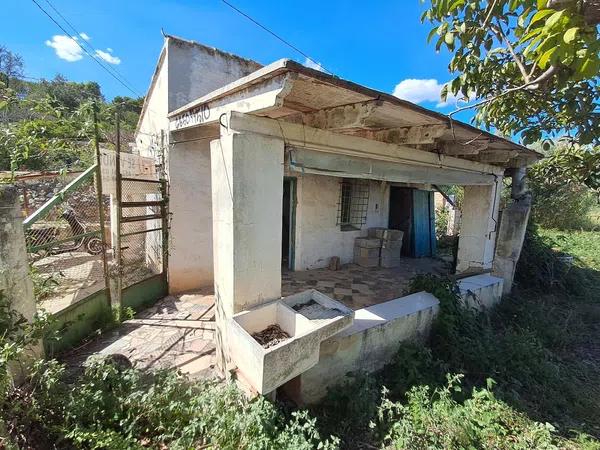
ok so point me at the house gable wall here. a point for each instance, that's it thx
(186, 71)
(196, 70)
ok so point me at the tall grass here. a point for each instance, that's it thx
(537, 346)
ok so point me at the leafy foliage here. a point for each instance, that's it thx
(47, 125)
(542, 373)
(109, 407)
(11, 65)
(534, 64)
(433, 419)
(563, 186)
(65, 94)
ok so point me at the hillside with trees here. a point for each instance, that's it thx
(47, 124)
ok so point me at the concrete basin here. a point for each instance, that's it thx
(308, 318)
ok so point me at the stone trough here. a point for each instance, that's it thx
(308, 318)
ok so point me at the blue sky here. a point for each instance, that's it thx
(378, 44)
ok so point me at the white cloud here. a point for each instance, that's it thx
(106, 56)
(84, 36)
(422, 91)
(66, 48)
(313, 65)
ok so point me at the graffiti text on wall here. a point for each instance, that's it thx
(195, 116)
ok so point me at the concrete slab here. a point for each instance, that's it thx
(160, 338)
(370, 343)
(308, 318)
(481, 291)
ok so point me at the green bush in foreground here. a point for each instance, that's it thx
(433, 419)
(540, 374)
(109, 407)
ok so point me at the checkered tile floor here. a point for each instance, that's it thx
(358, 287)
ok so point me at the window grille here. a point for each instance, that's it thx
(353, 204)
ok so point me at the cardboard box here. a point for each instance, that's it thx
(392, 245)
(385, 234)
(364, 252)
(367, 262)
(367, 242)
(376, 232)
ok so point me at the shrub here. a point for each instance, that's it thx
(109, 407)
(565, 187)
(442, 216)
(566, 206)
(433, 419)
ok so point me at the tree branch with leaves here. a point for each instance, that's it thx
(530, 67)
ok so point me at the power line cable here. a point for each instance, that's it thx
(89, 45)
(272, 33)
(84, 49)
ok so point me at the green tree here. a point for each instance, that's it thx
(566, 186)
(531, 65)
(64, 93)
(11, 65)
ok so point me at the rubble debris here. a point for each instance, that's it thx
(334, 263)
(314, 310)
(270, 336)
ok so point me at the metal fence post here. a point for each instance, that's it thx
(118, 215)
(164, 210)
(101, 206)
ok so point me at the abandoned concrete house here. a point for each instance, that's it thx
(280, 174)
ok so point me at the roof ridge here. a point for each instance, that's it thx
(210, 48)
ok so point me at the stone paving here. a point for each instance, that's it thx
(358, 287)
(177, 332)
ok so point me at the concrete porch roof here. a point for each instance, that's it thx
(289, 91)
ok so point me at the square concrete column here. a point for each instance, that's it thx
(513, 227)
(15, 284)
(478, 227)
(247, 195)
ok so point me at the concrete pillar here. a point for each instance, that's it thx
(513, 227)
(15, 284)
(478, 227)
(247, 195)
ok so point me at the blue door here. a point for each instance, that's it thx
(423, 229)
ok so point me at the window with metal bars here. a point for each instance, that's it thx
(353, 204)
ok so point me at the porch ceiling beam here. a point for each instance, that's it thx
(496, 156)
(462, 149)
(415, 135)
(317, 139)
(355, 115)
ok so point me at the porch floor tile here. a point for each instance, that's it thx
(358, 287)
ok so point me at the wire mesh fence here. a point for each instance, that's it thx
(65, 245)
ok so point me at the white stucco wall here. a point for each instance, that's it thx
(186, 71)
(196, 70)
(190, 201)
(318, 238)
(154, 115)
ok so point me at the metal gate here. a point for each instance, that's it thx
(141, 238)
(66, 243)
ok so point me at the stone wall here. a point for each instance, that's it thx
(35, 192)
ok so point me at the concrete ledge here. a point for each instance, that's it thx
(481, 291)
(369, 344)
